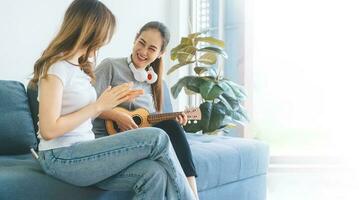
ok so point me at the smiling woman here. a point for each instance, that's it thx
(144, 68)
(148, 46)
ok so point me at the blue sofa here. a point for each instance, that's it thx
(228, 168)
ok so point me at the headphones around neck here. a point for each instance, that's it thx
(142, 75)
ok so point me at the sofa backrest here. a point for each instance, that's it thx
(167, 103)
(34, 105)
(17, 133)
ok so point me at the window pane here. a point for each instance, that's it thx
(305, 70)
(234, 39)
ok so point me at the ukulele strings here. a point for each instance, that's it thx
(130, 106)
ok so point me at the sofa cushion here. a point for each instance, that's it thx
(21, 177)
(17, 133)
(220, 160)
(226, 167)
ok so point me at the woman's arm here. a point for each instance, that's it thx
(53, 125)
(123, 120)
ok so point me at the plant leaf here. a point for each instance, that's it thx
(205, 88)
(175, 50)
(227, 89)
(176, 88)
(233, 102)
(208, 58)
(239, 116)
(225, 102)
(194, 84)
(201, 70)
(211, 40)
(187, 41)
(243, 113)
(209, 89)
(179, 65)
(194, 35)
(230, 125)
(186, 54)
(189, 92)
(213, 115)
(214, 50)
(237, 89)
(190, 82)
(215, 92)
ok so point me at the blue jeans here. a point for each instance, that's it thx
(142, 160)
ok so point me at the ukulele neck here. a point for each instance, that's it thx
(153, 119)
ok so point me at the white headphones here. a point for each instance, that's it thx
(142, 75)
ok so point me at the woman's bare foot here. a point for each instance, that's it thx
(193, 184)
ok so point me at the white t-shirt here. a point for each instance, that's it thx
(78, 92)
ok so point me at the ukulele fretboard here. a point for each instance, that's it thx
(161, 117)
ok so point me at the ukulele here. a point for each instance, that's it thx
(143, 118)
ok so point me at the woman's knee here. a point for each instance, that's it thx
(148, 134)
(154, 177)
(157, 134)
(169, 124)
(153, 168)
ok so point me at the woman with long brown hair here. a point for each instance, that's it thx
(144, 67)
(142, 161)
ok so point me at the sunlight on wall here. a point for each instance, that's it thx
(305, 67)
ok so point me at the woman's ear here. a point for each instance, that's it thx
(161, 54)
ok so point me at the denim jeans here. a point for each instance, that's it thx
(142, 160)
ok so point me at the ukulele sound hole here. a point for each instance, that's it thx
(116, 128)
(137, 119)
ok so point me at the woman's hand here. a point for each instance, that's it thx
(125, 122)
(112, 97)
(182, 119)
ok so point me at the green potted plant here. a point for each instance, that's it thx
(221, 98)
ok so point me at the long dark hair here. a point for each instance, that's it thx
(157, 64)
(87, 24)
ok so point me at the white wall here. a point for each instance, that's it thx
(28, 26)
(26, 29)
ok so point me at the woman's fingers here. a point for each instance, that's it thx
(129, 95)
(123, 92)
(135, 93)
(182, 119)
(184, 116)
(122, 87)
(131, 126)
(108, 88)
(134, 125)
(122, 99)
(179, 119)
